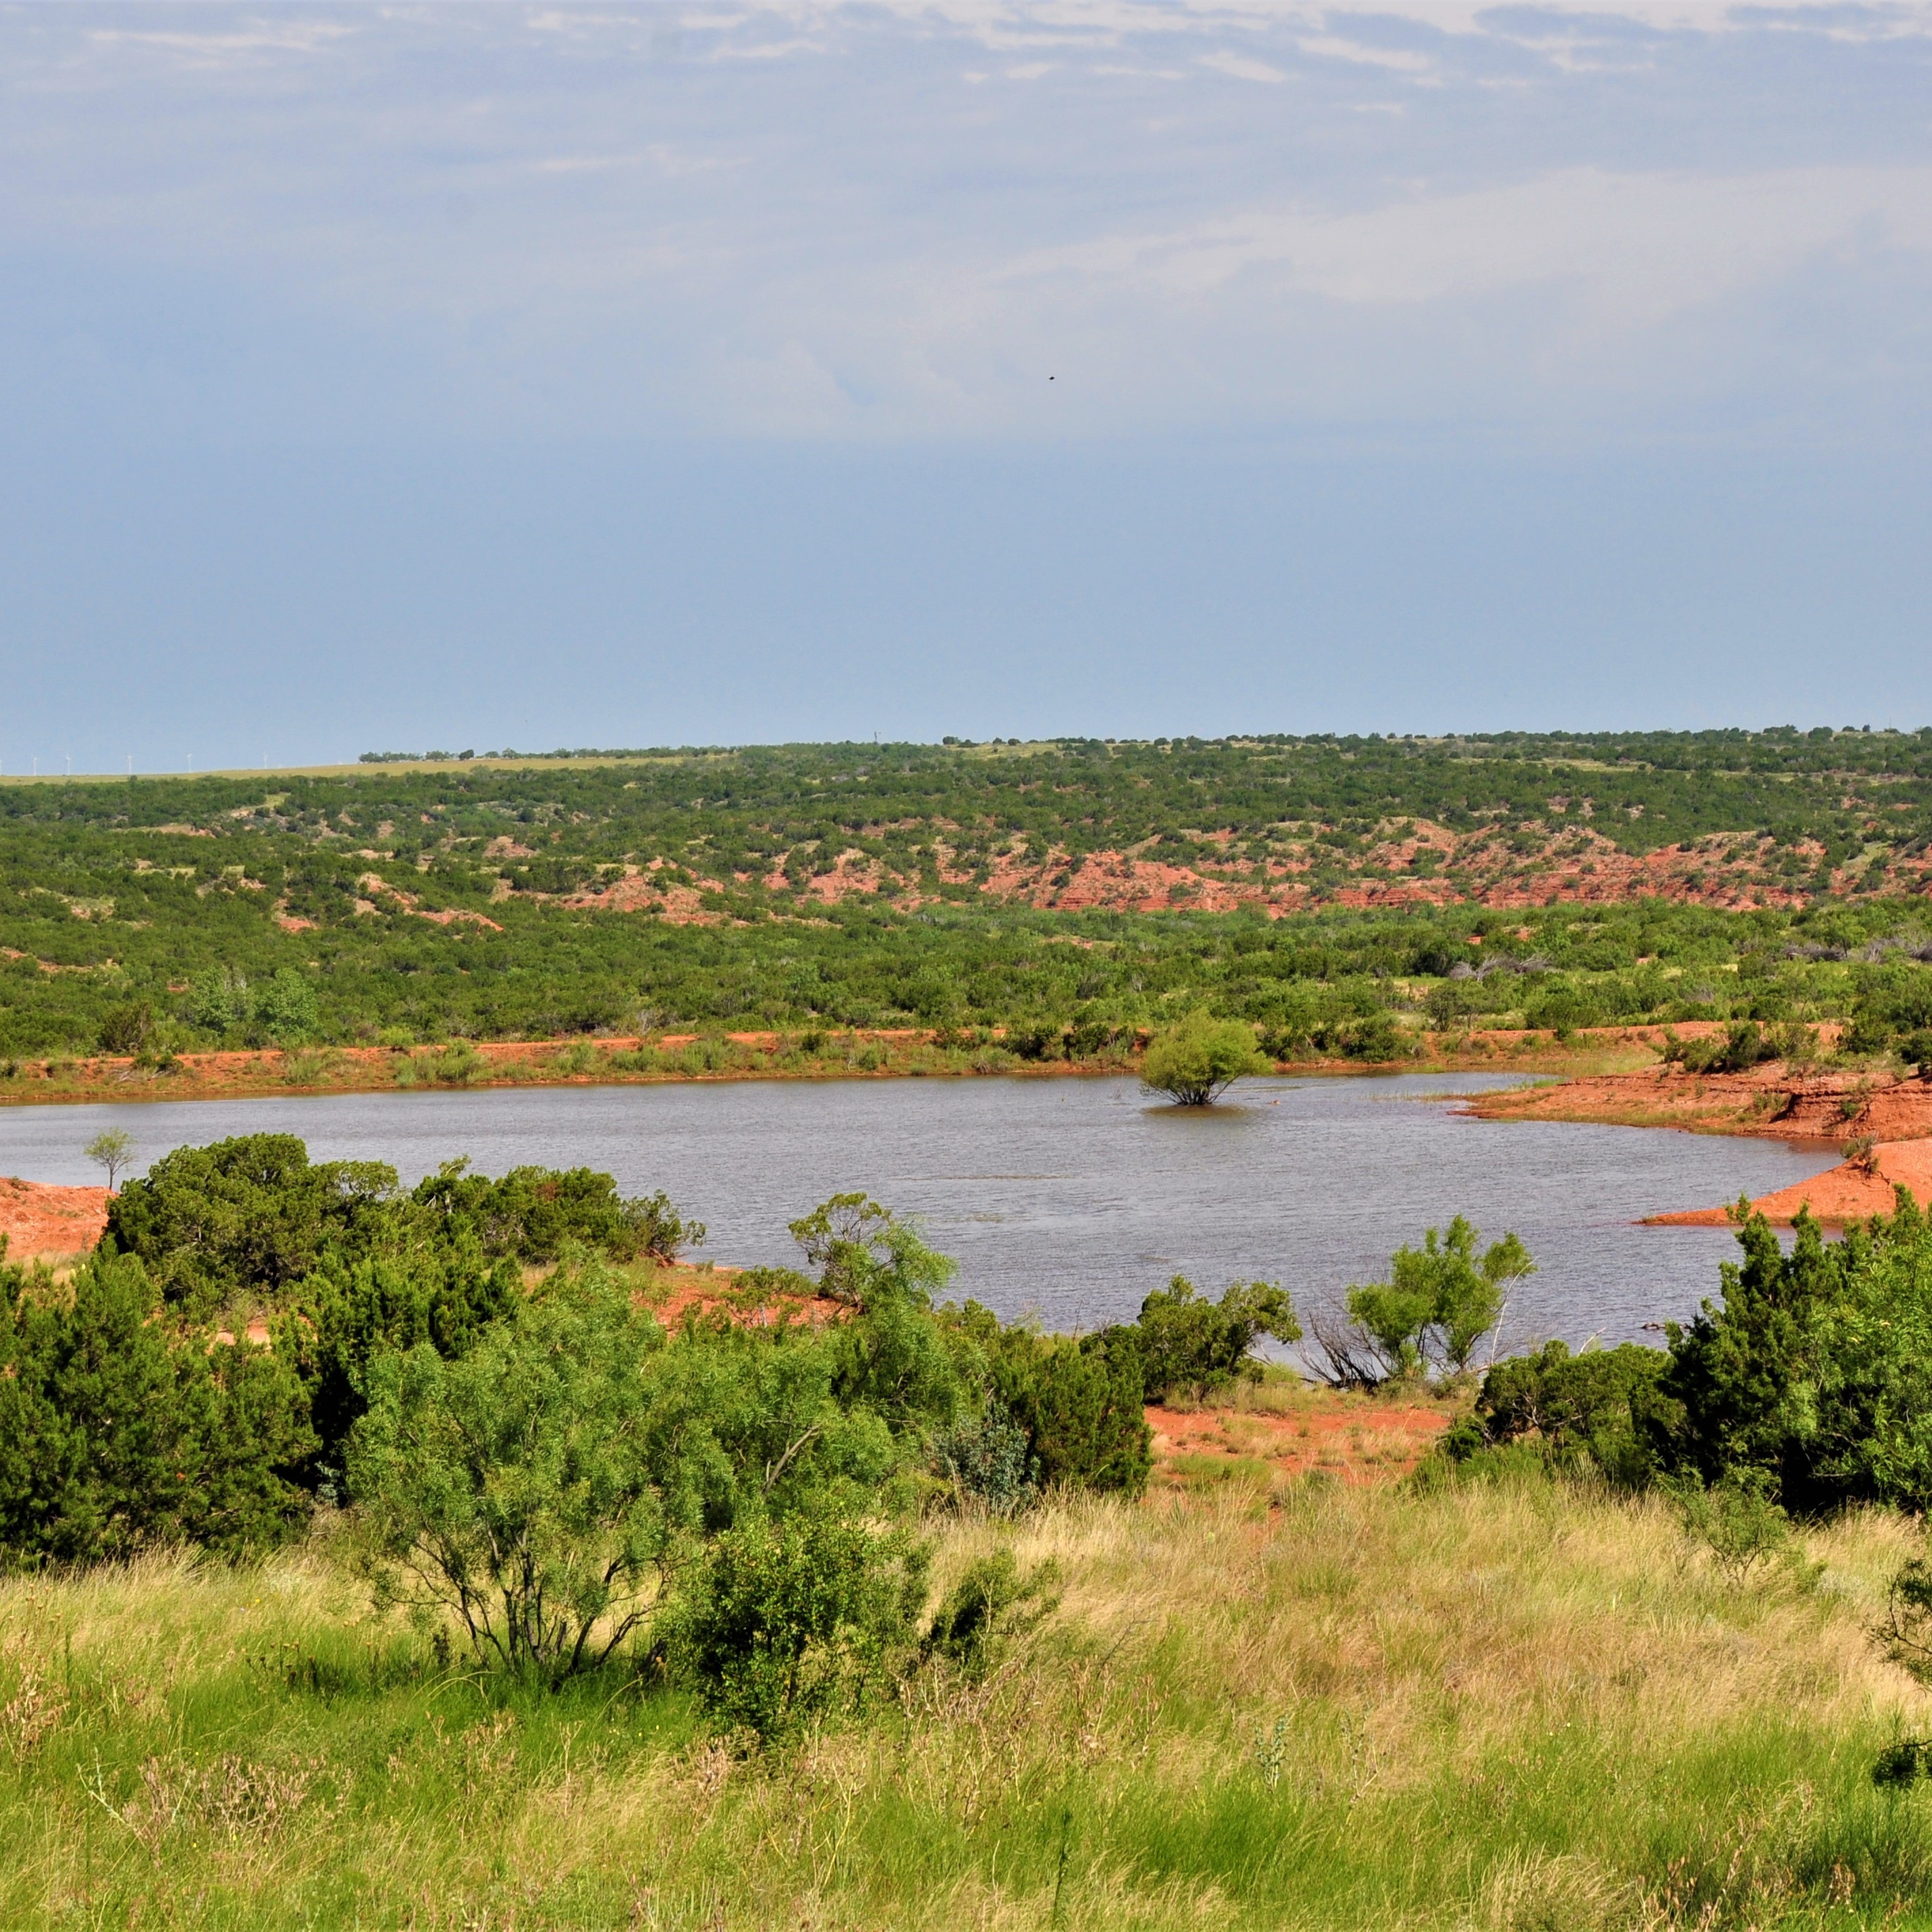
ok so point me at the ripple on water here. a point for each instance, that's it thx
(1072, 1197)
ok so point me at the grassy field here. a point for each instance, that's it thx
(1511, 1704)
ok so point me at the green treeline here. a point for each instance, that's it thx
(466, 901)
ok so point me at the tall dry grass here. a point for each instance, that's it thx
(1515, 1706)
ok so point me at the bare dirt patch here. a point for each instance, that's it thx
(1354, 1439)
(703, 1290)
(1410, 862)
(1773, 1102)
(40, 1221)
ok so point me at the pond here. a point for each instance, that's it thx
(1070, 1197)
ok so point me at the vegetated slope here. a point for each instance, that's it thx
(882, 884)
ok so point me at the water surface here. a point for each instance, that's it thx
(1072, 1197)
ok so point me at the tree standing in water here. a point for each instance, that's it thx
(1196, 1061)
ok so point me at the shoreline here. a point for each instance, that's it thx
(1880, 1121)
(1853, 1191)
(881, 1053)
(1772, 1102)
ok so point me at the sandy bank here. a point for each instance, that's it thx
(54, 1221)
(1772, 1102)
(1854, 1190)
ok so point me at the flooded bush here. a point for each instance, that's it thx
(1197, 1060)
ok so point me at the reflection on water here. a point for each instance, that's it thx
(1071, 1196)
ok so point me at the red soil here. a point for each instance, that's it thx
(374, 883)
(1772, 1102)
(1566, 860)
(714, 1290)
(1854, 1190)
(1356, 1440)
(257, 1332)
(639, 890)
(1532, 863)
(48, 966)
(40, 1220)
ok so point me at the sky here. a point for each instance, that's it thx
(413, 376)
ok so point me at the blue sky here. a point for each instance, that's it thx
(530, 375)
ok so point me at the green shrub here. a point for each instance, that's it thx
(1583, 1408)
(1194, 1062)
(1906, 1633)
(1894, 1005)
(1735, 1519)
(218, 1000)
(1815, 1371)
(801, 1619)
(516, 1490)
(1082, 1412)
(285, 1008)
(865, 1255)
(1744, 1044)
(1563, 1009)
(1439, 1301)
(126, 1028)
(352, 1313)
(1087, 1037)
(1373, 1039)
(1187, 1345)
(539, 1472)
(1039, 1040)
(251, 1217)
(533, 1212)
(989, 1458)
(457, 1065)
(119, 1433)
(992, 1604)
(247, 1215)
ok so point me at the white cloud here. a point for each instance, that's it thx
(226, 47)
(1241, 67)
(1650, 245)
(1333, 46)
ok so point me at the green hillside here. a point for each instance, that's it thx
(1295, 882)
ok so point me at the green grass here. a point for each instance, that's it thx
(1507, 1706)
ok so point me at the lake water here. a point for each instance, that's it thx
(1072, 1197)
